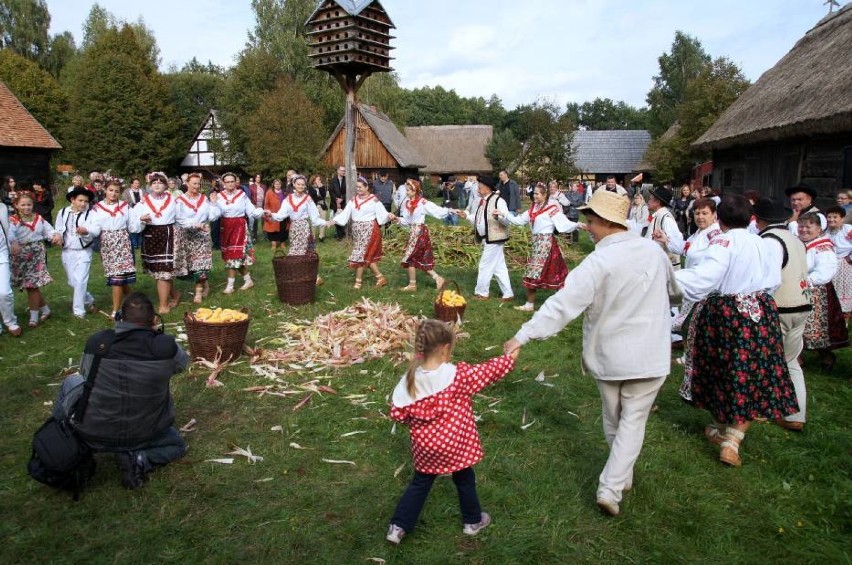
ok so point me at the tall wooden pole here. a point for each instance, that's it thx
(349, 146)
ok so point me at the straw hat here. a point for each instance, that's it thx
(609, 206)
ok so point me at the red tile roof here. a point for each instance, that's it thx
(18, 128)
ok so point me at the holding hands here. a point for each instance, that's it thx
(81, 230)
(512, 348)
(660, 237)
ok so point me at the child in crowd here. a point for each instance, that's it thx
(110, 219)
(29, 231)
(366, 214)
(841, 237)
(546, 268)
(76, 248)
(434, 399)
(418, 252)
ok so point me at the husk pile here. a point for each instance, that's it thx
(364, 330)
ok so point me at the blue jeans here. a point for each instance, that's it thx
(135, 241)
(161, 449)
(411, 504)
(451, 220)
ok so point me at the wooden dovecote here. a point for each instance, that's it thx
(350, 37)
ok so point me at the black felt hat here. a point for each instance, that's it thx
(78, 191)
(770, 210)
(487, 181)
(662, 194)
(801, 187)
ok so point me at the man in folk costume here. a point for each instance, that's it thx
(801, 202)
(491, 228)
(791, 297)
(622, 290)
(663, 224)
(76, 248)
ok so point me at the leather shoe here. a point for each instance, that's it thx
(507, 300)
(792, 426)
(480, 298)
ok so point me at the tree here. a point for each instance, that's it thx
(121, 115)
(37, 90)
(195, 90)
(706, 96)
(24, 27)
(286, 131)
(604, 114)
(686, 60)
(62, 50)
(100, 21)
(542, 140)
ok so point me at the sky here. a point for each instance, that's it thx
(522, 51)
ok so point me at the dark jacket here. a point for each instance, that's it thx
(130, 401)
(510, 192)
(44, 207)
(337, 189)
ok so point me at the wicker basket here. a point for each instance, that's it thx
(208, 340)
(448, 313)
(296, 277)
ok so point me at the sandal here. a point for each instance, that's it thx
(381, 281)
(730, 453)
(713, 434)
(357, 284)
(44, 317)
(33, 324)
(409, 288)
(199, 296)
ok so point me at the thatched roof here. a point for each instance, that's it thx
(452, 149)
(808, 92)
(397, 145)
(645, 164)
(18, 128)
(609, 151)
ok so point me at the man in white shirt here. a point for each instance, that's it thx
(622, 289)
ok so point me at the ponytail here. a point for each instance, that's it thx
(430, 335)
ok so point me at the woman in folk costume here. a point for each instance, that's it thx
(304, 215)
(77, 248)
(491, 229)
(418, 253)
(110, 219)
(366, 214)
(272, 201)
(736, 368)
(237, 247)
(193, 216)
(841, 237)
(695, 248)
(154, 218)
(545, 267)
(825, 329)
(28, 232)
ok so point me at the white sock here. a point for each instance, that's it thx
(45, 309)
(231, 282)
(530, 304)
(247, 277)
(33, 315)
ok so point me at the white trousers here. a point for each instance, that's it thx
(77, 263)
(7, 297)
(626, 406)
(493, 264)
(792, 329)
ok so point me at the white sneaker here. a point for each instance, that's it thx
(228, 290)
(473, 529)
(526, 308)
(395, 534)
(247, 285)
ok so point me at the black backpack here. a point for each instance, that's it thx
(60, 458)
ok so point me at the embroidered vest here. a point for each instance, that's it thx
(791, 295)
(495, 232)
(657, 224)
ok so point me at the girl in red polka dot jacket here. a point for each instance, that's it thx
(434, 399)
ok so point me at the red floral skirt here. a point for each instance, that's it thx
(418, 252)
(545, 268)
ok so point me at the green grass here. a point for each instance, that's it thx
(788, 503)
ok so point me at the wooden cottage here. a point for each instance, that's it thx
(203, 154)
(25, 146)
(598, 154)
(795, 123)
(451, 150)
